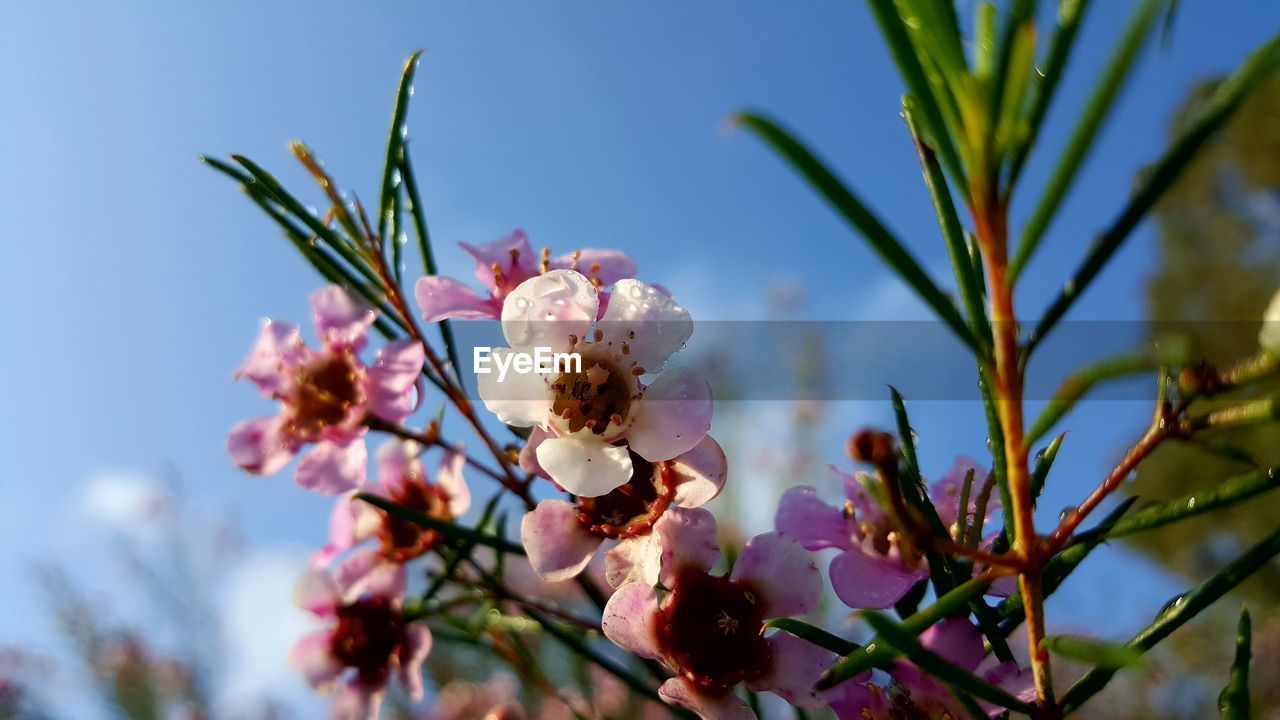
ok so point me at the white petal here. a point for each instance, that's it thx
(544, 311)
(519, 399)
(700, 473)
(635, 559)
(672, 417)
(648, 320)
(585, 466)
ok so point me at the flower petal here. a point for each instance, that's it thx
(519, 399)
(317, 592)
(633, 559)
(721, 706)
(687, 537)
(358, 700)
(607, 266)
(259, 446)
(513, 256)
(332, 467)
(340, 321)
(648, 320)
(1012, 678)
(955, 639)
(945, 493)
(529, 453)
(794, 670)
(557, 544)
(444, 298)
(391, 380)
(417, 647)
(278, 349)
(548, 310)
(629, 619)
(585, 467)
(783, 574)
(341, 531)
(672, 417)
(699, 473)
(450, 479)
(863, 581)
(817, 525)
(311, 655)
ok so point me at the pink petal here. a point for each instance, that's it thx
(585, 466)
(607, 266)
(648, 320)
(548, 310)
(333, 467)
(853, 700)
(808, 519)
(863, 581)
(1014, 679)
(633, 559)
(259, 446)
(519, 399)
(672, 417)
(957, 640)
(397, 460)
(529, 453)
(311, 655)
(783, 574)
(629, 619)
(340, 321)
(699, 473)
(317, 592)
(557, 544)
(722, 706)
(391, 380)
(687, 537)
(412, 655)
(341, 531)
(443, 298)
(278, 349)
(794, 670)
(450, 479)
(356, 700)
(511, 254)
(945, 493)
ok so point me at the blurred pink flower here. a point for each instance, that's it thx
(708, 628)
(325, 395)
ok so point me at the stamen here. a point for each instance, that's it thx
(499, 279)
(545, 263)
(726, 623)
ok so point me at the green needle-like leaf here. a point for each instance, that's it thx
(1177, 613)
(1082, 138)
(815, 635)
(1234, 702)
(395, 147)
(1044, 462)
(881, 240)
(937, 666)
(1079, 383)
(1093, 651)
(1228, 97)
(449, 530)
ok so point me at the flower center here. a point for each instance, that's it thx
(324, 391)
(403, 540)
(368, 633)
(595, 397)
(630, 509)
(902, 706)
(709, 628)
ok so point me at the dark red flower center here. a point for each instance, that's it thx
(630, 509)
(324, 391)
(709, 628)
(369, 632)
(403, 540)
(593, 398)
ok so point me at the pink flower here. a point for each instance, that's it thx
(365, 641)
(872, 569)
(325, 395)
(402, 480)
(561, 537)
(504, 264)
(911, 693)
(708, 628)
(594, 418)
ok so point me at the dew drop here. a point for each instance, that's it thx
(1066, 511)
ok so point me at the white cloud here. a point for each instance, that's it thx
(120, 500)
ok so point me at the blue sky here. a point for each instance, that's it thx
(133, 278)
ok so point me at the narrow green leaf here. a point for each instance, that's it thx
(942, 572)
(1082, 138)
(984, 44)
(450, 530)
(1044, 462)
(1177, 613)
(1018, 22)
(1234, 701)
(937, 666)
(1215, 114)
(1093, 651)
(395, 146)
(1079, 383)
(878, 654)
(844, 202)
(815, 635)
(995, 443)
(1231, 492)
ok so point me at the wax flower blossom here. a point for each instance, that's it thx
(912, 694)
(874, 569)
(365, 641)
(597, 414)
(325, 395)
(561, 537)
(707, 628)
(504, 264)
(402, 480)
